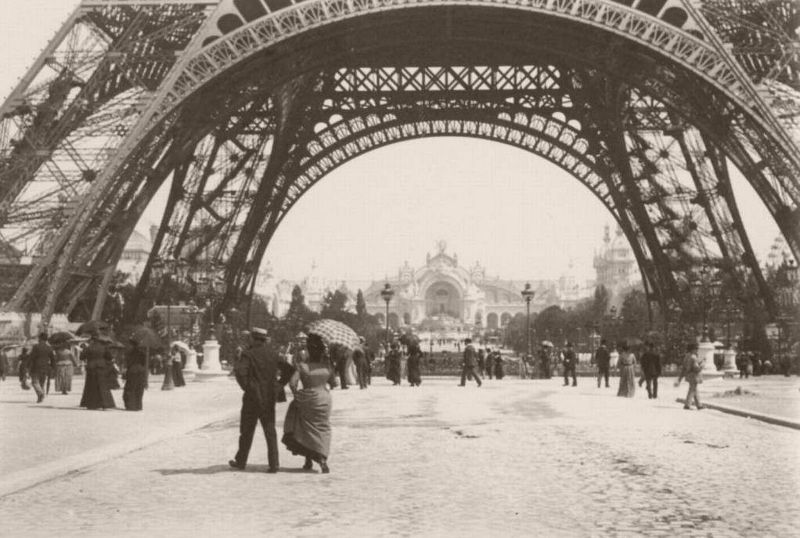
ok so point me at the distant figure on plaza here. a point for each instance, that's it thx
(484, 362)
(627, 371)
(65, 368)
(24, 365)
(743, 364)
(602, 357)
(370, 356)
(414, 365)
(360, 360)
(393, 364)
(488, 366)
(341, 360)
(96, 388)
(3, 364)
(42, 364)
(496, 362)
(470, 363)
(544, 359)
(257, 375)
(651, 370)
(570, 365)
(135, 376)
(307, 427)
(178, 363)
(691, 371)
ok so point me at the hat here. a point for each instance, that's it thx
(569, 344)
(467, 340)
(105, 339)
(361, 339)
(258, 332)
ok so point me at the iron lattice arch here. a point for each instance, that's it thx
(640, 103)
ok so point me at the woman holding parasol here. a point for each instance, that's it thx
(307, 427)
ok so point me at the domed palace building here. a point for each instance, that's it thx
(445, 295)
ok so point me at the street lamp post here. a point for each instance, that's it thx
(528, 295)
(387, 293)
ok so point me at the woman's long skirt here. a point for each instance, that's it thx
(133, 392)
(177, 374)
(307, 428)
(96, 392)
(64, 377)
(627, 382)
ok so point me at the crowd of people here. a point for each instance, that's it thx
(311, 368)
(99, 358)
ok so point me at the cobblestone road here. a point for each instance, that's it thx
(513, 458)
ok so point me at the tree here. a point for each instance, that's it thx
(361, 305)
(600, 303)
(334, 304)
(635, 314)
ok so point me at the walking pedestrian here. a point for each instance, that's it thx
(96, 388)
(178, 363)
(393, 364)
(65, 367)
(651, 370)
(470, 363)
(626, 363)
(23, 367)
(602, 357)
(135, 376)
(570, 365)
(691, 371)
(42, 366)
(496, 362)
(307, 426)
(256, 374)
(414, 365)
(544, 359)
(360, 360)
(3, 364)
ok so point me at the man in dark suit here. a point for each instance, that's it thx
(603, 359)
(470, 366)
(42, 364)
(256, 373)
(651, 370)
(570, 365)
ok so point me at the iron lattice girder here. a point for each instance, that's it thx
(78, 101)
(281, 169)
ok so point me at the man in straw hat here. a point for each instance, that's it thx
(256, 372)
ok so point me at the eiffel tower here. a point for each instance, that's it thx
(242, 106)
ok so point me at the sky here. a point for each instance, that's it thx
(518, 215)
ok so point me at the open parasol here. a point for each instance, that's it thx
(146, 337)
(62, 337)
(547, 343)
(334, 332)
(93, 327)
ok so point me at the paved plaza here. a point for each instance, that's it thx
(512, 458)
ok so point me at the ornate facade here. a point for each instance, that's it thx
(616, 267)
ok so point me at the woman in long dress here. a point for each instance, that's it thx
(65, 367)
(393, 364)
(414, 365)
(307, 427)
(499, 371)
(135, 377)
(96, 389)
(627, 377)
(178, 362)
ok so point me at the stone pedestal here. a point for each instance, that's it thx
(211, 357)
(190, 370)
(729, 366)
(210, 368)
(705, 352)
